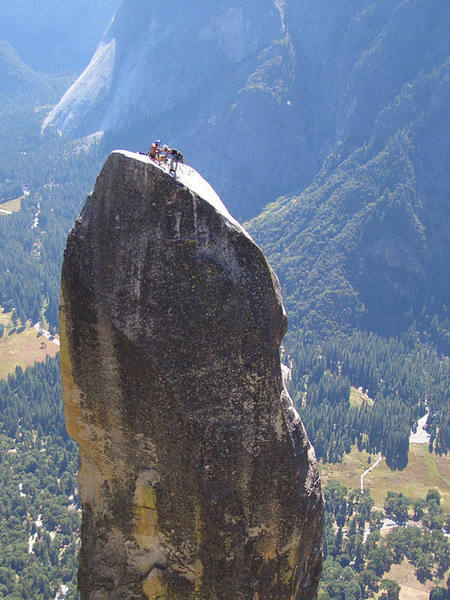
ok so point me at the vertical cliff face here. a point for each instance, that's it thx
(197, 477)
(211, 77)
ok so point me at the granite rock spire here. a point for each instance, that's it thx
(197, 478)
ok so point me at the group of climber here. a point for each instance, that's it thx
(164, 154)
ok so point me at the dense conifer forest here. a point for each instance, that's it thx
(39, 504)
(56, 176)
(402, 378)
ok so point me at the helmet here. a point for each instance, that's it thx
(158, 142)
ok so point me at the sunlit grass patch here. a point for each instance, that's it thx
(424, 471)
(21, 346)
(411, 588)
(358, 397)
(12, 205)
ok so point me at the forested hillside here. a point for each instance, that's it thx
(39, 504)
(366, 244)
(362, 251)
(56, 176)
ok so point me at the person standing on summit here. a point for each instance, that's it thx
(175, 158)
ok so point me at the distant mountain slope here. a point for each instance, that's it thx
(367, 243)
(54, 35)
(212, 78)
(355, 56)
(15, 75)
(257, 94)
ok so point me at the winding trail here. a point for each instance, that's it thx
(368, 471)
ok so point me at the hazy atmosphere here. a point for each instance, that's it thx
(249, 202)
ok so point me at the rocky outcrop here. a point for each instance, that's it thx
(197, 478)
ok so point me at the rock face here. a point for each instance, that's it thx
(197, 478)
(213, 78)
(242, 83)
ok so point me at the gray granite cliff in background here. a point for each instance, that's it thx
(260, 93)
(197, 478)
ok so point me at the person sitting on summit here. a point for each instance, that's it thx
(155, 150)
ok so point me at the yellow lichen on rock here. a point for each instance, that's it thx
(269, 554)
(198, 572)
(71, 393)
(153, 587)
(198, 565)
(147, 535)
(293, 559)
(146, 516)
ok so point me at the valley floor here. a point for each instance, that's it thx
(23, 346)
(424, 471)
(411, 588)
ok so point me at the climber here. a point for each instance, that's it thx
(163, 158)
(155, 150)
(175, 158)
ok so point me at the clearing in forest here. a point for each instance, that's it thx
(11, 206)
(411, 588)
(358, 397)
(21, 346)
(424, 471)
